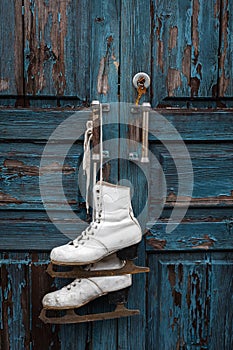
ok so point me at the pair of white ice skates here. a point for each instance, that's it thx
(100, 254)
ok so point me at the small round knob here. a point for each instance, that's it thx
(141, 79)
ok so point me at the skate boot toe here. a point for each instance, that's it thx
(85, 253)
(50, 300)
(82, 291)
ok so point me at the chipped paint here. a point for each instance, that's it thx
(160, 47)
(6, 198)
(4, 84)
(18, 53)
(116, 64)
(172, 200)
(21, 169)
(173, 81)
(217, 8)
(102, 78)
(204, 242)
(224, 80)
(195, 79)
(173, 37)
(38, 19)
(195, 32)
(157, 243)
(186, 63)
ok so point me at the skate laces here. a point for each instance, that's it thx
(96, 217)
(87, 157)
(73, 284)
(94, 225)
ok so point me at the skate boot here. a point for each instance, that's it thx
(82, 291)
(113, 229)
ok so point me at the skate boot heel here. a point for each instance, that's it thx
(119, 296)
(128, 253)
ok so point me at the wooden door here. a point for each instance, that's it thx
(56, 57)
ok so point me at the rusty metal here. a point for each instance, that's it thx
(80, 272)
(141, 91)
(72, 317)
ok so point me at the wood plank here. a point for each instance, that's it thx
(179, 301)
(11, 48)
(135, 46)
(20, 178)
(226, 49)
(15, 308)
(210, 165)
(190, 236)
(134, 174)
(132, 332)
(18, 235)
(191, 125)
(104, 50)
(199, 125)
(205, 45)
(171, 42)
(23, 124)
(53, 64)
(42, 336)
(221, 293)
(182, 50)
(103, 333)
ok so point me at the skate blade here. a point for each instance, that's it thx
(72, 317)
(79, 272)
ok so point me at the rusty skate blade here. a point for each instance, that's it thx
(80, 272)
(72, 317)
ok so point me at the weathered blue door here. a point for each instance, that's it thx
(57, 56)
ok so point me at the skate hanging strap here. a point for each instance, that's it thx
(87, 158)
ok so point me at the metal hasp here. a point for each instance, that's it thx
(145, 128)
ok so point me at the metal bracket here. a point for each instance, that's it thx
(133, 156)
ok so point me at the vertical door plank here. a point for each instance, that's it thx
(185, 53)
(11, 48)
(42, 336)
(104, 50)
(205, 45)
(56, 48)
(135, 46)
(221, 301)
(179, 301)
(132, 331)
(15, 308)
(104, 333)
(171, 49)
(226, 49)
(133, 174)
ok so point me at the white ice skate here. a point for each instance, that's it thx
(113, 229)
(82, 291)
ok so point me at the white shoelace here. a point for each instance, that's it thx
(87, 158)
(96, 219)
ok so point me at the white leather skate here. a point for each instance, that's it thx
(82, 291)
(113, 229)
